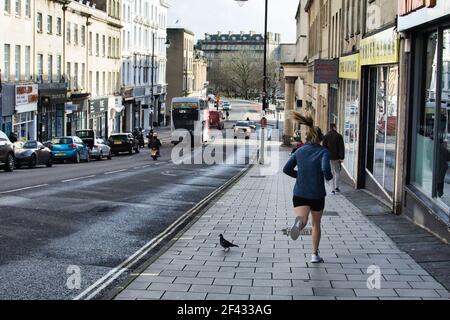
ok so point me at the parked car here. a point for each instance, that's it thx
(216, 120)
(69, 148)
(7, 157)
(98, 149)
(242, 129)
(226, 106)
(33, 153)
(123, 142)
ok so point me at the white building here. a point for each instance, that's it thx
(143, 62)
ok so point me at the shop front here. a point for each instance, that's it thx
(427, 190)
(77, 113)
(129, 103)
(24, 118)
(380, 73)
(115, 112)
(98, 116)
(349, 84)
(51, 111)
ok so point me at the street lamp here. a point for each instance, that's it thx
(265, 98)
(167, 43)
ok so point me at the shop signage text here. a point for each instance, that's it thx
(405, 7)
(326, 71)
(26, 94)
(99, 105)
(349, 67)
(380, 48)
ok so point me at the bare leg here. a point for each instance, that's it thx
(303, 214)
(316, 230)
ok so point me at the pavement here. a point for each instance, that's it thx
(256, 213)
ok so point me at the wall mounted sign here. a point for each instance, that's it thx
(326, 71)
(349, 67)
(405, 7)
(381, 48)
(26, 94)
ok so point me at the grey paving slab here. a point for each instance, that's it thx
(269, 265)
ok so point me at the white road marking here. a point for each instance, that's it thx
(22, 189)
(117, 171)
(80, 178)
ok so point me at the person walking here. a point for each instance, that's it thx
(334, 143)
(313, 167)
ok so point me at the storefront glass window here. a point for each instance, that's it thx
(424, 144)
(385, 127)
(351, 125)
(443, 176)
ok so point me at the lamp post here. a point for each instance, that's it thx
(167, 43)
(265, 105)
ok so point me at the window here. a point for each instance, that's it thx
(17, 7)
(75, 76)
(50, 68)
(69, 77)
(97, 44)
(49, 24)
(40, 66)
(90, 43)
(83, 75)
(17, 63)
(27, 62)
(75, 34)
(104, 83)
(83, 36)
(39, 22)
(97, 84)
(104, 45)
(109, 47)
(58, 26)
(27, 9)
(7, 7)
(68, 33)
(58, 68)
(90, 81)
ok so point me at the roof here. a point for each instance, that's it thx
(241, 37)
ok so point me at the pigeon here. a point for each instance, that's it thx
(226, 244)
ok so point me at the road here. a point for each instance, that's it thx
(86, 219)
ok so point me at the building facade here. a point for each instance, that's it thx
(425, 94)
(144, 60)
(200, 70)
(180, 70)
(218, 47)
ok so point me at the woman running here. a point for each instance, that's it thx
(313, 167)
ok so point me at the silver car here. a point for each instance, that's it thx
(100, 150)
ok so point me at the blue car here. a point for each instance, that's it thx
(69, 148)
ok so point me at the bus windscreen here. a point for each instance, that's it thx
(185, 106)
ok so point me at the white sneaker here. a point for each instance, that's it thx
(315, 258)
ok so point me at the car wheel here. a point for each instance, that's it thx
(130, 151)
(100, 157)
(32, 163)
(88, 157)
(76, 159)
(49, 163)
(137, 150)
(9, 165)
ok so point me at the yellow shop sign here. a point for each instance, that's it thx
(349, 67)
(381, 48)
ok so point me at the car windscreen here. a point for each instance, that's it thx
(62, 141)
(242, 124)
(85, 134)
(30, 145)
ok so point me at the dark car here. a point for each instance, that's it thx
(7, 157)
(33, 153)
(123, 142)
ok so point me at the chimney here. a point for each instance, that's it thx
(242, 33)
(230, 33)
(252, 33)
(219, 33)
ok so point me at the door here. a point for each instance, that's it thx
(382, 130)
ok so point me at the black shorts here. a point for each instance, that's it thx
(315, 204)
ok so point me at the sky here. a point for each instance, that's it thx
(210, 16)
